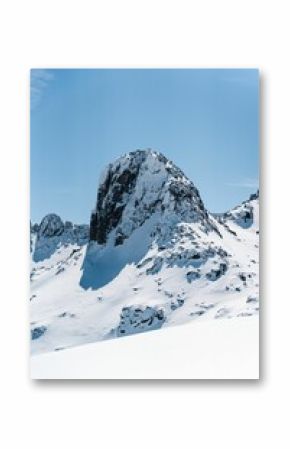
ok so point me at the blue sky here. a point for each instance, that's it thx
(206, 121)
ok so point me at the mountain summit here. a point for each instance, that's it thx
(142, 198)
(135, 187)
(152, 257)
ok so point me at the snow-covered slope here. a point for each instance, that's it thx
(155, 258)
(215, 349)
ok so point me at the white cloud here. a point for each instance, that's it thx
(248, 183)
(39, 80)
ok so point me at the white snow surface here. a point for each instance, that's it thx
(220, 349)
(165, 273)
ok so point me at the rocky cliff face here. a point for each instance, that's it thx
(155, 257)
(135, 187)
(51, 225)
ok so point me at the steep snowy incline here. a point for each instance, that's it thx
(155, 258)
(220, 349)
(141, 199)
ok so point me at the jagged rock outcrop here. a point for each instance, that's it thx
(135, 187)
(51, 225)
(243, 214)
(155, 258)
(139, 319)
(145, 201)
(37, 332)
(254, 196)
(52, 233)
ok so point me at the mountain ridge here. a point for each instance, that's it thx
(153, 257)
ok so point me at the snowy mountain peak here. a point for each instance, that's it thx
(52, 233)
(255, 196)
(155, 258)
(245, 215)
(135, 187)
(51, 225)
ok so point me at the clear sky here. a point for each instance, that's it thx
(206, 121)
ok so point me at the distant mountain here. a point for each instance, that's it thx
(152, 257)
(52, 234)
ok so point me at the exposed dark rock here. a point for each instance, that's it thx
(252, 299)
(197, 313)
(138, 319)
(37, 332)
(213, 275)
(110, 195)
(118, 189)
(192, 276)
(254, 196)
(243, 277)
(34, 227)
(50, 226)
(68, 225)
(176, 304)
